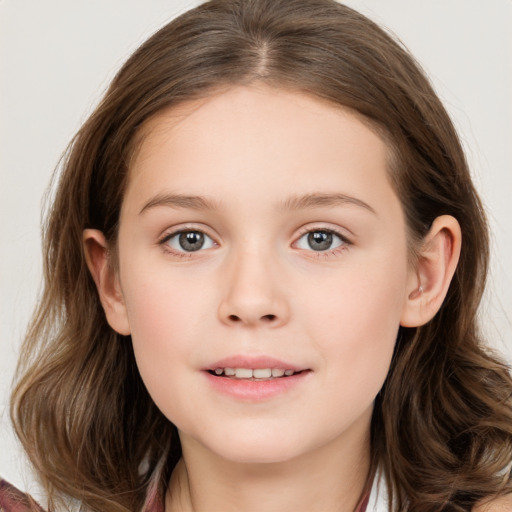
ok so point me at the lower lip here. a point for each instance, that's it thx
(255, 390)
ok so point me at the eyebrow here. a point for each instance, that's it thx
(303, 202)
(316, 200)
(180, 201)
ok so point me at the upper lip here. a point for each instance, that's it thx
(254, 362)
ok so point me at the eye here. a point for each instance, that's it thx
(188, 241)
(320, 240)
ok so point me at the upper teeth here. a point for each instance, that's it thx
(257, 373)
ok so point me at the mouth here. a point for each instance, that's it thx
(254, 374)
(251, 378)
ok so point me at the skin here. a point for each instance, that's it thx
(258, 287)
(503, 504)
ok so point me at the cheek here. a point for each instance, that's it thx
(164, 313)
(157, 308)
(354, 322)
(165, 321)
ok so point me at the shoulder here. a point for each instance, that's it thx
(13, 500)
(503, 504)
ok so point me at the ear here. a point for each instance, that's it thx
(429, 281)
(106, 279)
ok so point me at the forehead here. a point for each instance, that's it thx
(268, 102)
(248, 138)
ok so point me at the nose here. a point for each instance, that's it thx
(252, 291)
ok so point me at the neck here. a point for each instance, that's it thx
(332, 478)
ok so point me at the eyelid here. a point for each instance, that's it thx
(346, 242)
(309, 228)
(322, 227)
(177, 230)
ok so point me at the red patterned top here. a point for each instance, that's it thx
(13, 500)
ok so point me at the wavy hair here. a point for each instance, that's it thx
(442, 423)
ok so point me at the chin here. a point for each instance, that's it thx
(261, 456)
(258, 450)
(258, 457)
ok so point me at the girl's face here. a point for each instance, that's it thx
(259, 231)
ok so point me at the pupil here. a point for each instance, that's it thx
(320, 240)
(191, 241)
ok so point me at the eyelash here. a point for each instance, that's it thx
(163, 241)
(329, 252)
(345, 242)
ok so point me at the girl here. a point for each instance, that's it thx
(263, 265)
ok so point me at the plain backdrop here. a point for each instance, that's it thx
(57, 57)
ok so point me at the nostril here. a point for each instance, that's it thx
(264, 318)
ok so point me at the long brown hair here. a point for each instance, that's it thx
(442, 423)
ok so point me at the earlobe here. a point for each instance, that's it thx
(429, 281)
(106, 280)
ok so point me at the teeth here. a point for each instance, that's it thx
(249, 373)
(262, 374)
(243, 373)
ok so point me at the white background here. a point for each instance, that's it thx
(57, 57)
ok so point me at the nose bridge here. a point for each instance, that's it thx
(252, 292)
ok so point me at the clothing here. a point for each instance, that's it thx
(13, 500)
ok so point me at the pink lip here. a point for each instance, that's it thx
(253, 362)
(255, 390)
